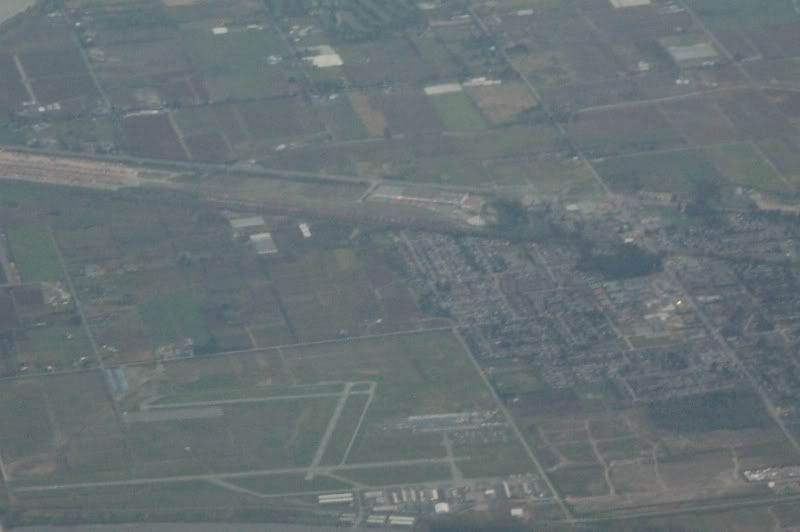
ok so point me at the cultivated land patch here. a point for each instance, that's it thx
(235, 64)
(32, 249)
(673, 172)
(373, 120)
(457, 112)
(504, 103)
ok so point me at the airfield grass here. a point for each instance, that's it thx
(381, 476)
(25, 428)
(249, 436)
(32, 249)
(192, 494)
(749, 519)
(290, 483)
(417, 374)
(175, 316)
(494, 460)
(457, 112)
(580, 480)
(234, 393)
(345, 429)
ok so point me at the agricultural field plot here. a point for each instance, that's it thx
(755, 116)
(339, 291)
(238, 130)
(785, 154)
(41, 331)
(241, 63)
(780, 70)
(42, 65)
(389, 61)
(612, 132)
(722, 15)
(743, 165)
(409, 114)
(12, 91)
(32, 250)
(148, 74)
(60, 427)
(153, 135)
(674, 172)
(701, 121)
(48, 77)
(598, 448)
(548, 173)
(503, 104)
(342, 120)
(457, 112)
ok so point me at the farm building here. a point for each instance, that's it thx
(263, 243)
(629, 3)
(251, 222)
(693, 54)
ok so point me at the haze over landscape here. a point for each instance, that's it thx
(447, 265)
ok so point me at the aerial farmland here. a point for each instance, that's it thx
(388, 264)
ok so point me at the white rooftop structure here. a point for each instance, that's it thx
(326, 57)
(263, 243)
(250, 222)
(629, 3)
(700, 52)
(442, 508)
(444, 88)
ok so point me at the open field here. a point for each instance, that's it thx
(457, 112)
(514, 256)
(31, 247)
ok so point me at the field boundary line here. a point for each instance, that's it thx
(326, 436)
(230, 475)
(356, 430)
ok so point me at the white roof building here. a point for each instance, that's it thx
(263, 243)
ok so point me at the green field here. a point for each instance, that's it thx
(342, 120)
(675, 172)
(733, 14)
(31, 247)
(399, 475)
(60, 346)
(175, 316)
(272, 484)
(495, 460)
(233, 390)
(345, 429)
(722, 410)
(743, 165)
(785, 153)
(457, 112)
(153, 496)
(580, 480)
(234, 64)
